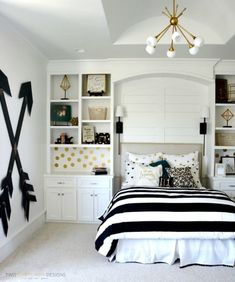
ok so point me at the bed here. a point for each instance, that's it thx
(146, 223)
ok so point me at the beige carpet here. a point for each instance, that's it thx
(65, 252)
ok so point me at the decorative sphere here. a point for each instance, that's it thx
(193, 50)
(173, 20)
(170, 53)
(150, 49)
(151, 41)
(176, 37)
(198, 41)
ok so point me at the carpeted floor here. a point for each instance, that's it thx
(65, 252)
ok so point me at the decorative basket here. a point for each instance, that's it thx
(97, 113)
(223, 139)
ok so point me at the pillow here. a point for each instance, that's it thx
(144, 158)
(149, 176)
(164, 165)
(181, 160)
(166, 182)
(131, 173)
(182, 177)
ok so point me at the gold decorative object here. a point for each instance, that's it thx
(74, 121)
(65, 85)
(227, 115)
(177, 31)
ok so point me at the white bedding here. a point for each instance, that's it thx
(191, 251)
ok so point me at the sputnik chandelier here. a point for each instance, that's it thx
(177, 32)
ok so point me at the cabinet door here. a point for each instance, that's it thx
(85, 205)
(53, 204)
(101, 201)
(69, 204)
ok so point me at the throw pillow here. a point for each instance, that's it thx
(182, 177)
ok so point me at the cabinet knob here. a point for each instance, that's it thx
(62, 194)
(58, 194)
(91, 195)
(96, 195)
(60, 182)
(232, 186)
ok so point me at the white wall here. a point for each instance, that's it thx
(21, 62)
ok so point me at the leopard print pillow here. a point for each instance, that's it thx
(182, 177)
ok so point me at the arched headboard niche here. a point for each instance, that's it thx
(162, 108)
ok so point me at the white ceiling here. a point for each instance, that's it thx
(118, 28)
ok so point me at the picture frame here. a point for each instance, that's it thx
(229, 162)
(60, 113)
(220, 169)
(88, 134)
(96, 84)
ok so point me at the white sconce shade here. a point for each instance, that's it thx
(119, 111)
(193, 50)
(198, 41)
(150, 49)
(151, 41)
(176, 37)
(205, 112)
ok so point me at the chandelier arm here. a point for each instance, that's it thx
(174, 14)
(161, 34)
(176, 9)
(181, 13)
(164, 13)
(168, 12)
(185, 37)
(189, 33)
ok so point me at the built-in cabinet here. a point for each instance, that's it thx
(224, 133)
(79, 138)
(77, 198)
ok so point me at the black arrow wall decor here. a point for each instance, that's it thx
(6, 184)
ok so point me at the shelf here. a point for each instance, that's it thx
(64, 145)
(224, 147)
(64, 127)
(225, 128)
(80, 146)
(64, 101)
(225, 104)
(95, 97)
(96, 121)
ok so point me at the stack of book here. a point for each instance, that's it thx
(99, 170)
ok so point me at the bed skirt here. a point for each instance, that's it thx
(189, 252)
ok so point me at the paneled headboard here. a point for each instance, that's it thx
(148, 148)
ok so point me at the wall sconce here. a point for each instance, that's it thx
(203, 125)
(119, 125)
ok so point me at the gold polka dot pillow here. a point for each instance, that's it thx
(181, 160)
(144, 159)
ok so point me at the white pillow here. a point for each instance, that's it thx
(181, 160)
(145, 159)
(131, 174)
(149, 176)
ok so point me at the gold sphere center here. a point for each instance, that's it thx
(174, 20)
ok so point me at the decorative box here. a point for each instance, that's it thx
(97, 113)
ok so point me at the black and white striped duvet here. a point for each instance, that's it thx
(158, 213)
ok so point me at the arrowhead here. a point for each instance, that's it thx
(26, 92)
(4, 85)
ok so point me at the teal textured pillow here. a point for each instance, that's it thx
(164, 164)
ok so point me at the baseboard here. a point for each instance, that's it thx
(15, 240)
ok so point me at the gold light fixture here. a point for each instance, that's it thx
(177, 32)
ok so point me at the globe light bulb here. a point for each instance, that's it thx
(198, 41)
(176, 37)
(150, 49)
(193, 50)
(171, 53)
(151, 41)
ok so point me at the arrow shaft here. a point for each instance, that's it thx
(7, 118)
(20, 121)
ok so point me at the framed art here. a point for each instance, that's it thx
(229, 162)
(96, 84)
(88, 134)
(220, 169)
(60, 113)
